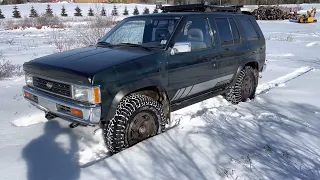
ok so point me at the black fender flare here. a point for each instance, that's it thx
(239, 70)
(131, 88)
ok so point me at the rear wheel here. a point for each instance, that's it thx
(138, 117)
(245, 86)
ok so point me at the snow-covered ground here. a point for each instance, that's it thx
(276, 136)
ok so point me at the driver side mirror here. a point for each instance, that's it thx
(180, 47)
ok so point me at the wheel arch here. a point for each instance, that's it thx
(253, 64)
(151, 88)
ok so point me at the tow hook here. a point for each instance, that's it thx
(50, 116)
(74, 125)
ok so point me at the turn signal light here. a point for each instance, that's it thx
(97, 98)
(27, 95)
(76, 112)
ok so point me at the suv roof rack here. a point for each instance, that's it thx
(201, 8)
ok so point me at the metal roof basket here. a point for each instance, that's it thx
(201, 8)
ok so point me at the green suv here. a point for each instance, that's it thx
(148, 66)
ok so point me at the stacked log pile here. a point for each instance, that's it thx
(274, 13)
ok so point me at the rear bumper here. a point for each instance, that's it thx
(264, 67)
(90, 114)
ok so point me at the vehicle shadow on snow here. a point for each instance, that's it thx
(46, 159)
(262, 140)
(272, 139)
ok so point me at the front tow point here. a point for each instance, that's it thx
(50, 116)
(74, 125)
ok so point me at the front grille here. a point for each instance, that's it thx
(52, 86)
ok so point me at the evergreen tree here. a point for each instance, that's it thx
(103, 12)
(136, 11)
(49, 11)
(114, 11)
(155, 10)
(4, 2)
(1, 15)
(16, 12)
(33, 13)
(90, 12)
(19, 2)
(78, 11)
(146, 11)
(125, 12)
(64, 12)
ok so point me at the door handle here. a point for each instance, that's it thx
(213, 64)
(227, 49)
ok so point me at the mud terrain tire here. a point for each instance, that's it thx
(245, 86)
(138, 117)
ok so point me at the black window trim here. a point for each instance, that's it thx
(237, 28)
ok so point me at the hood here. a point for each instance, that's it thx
(84, 62)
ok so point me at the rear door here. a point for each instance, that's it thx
(230, 47)
(191, 72)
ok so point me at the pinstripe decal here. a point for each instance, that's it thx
(174, 97)
(184, 92)
(179, 94)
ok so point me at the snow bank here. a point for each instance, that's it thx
(29, 120)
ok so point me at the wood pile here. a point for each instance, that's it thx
(274, 13)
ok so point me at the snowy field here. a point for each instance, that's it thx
(276, 136)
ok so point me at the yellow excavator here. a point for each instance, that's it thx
(309, 17)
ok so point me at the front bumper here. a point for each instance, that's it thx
(90, 114)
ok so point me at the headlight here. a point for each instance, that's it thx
(87, 94)
(29, 79)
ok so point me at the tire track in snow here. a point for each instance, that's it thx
(312, 44)
(263, 88)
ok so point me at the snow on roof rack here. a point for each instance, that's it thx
(201, 8)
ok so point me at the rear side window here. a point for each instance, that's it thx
(235, 32)
(249, 30)
(224, 31)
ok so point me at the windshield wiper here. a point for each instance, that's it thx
(135, 45)
(105, 44)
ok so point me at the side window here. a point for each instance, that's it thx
(235, 32)
(248, 28)
(224, 31)
(196, 32)
(162, 29)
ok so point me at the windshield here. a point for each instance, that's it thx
(148, 32)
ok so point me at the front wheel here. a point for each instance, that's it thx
(138, 117)
(245, 86)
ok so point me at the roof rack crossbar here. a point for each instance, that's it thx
(201, 8)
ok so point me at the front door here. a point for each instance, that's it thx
(192, 71)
